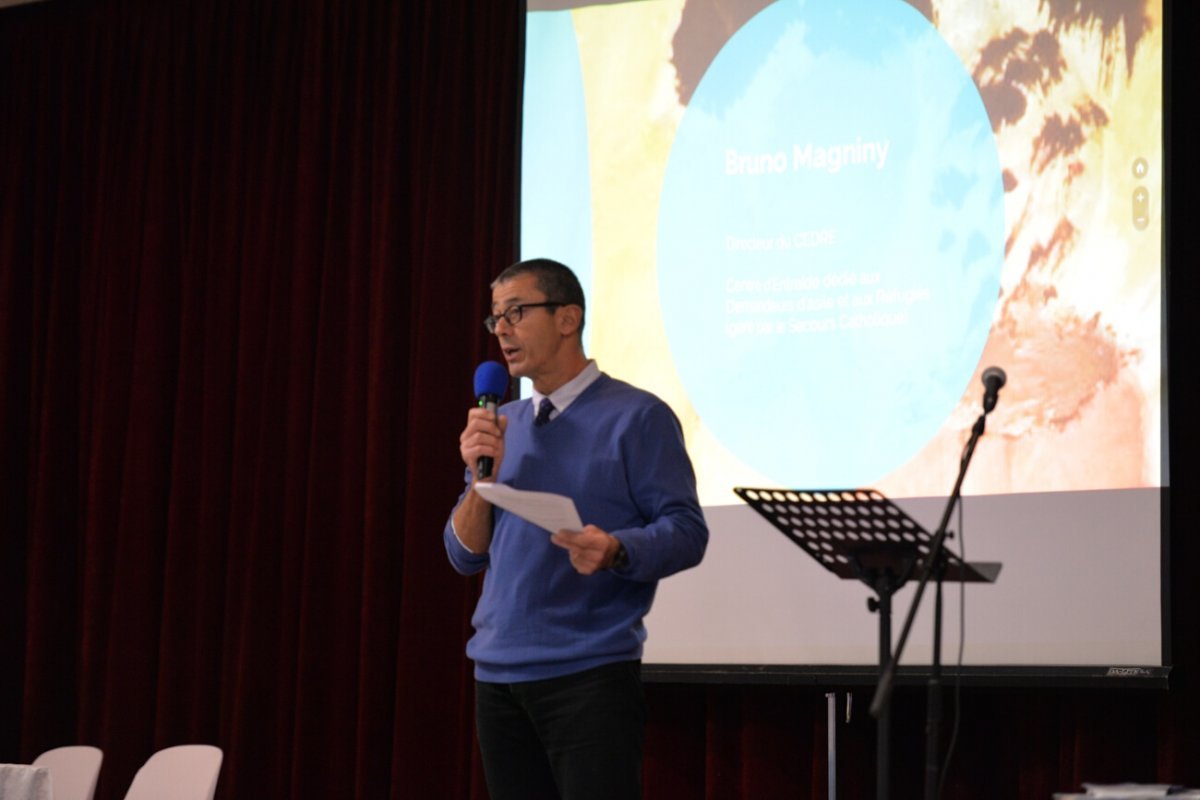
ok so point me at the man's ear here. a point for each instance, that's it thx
(568, 319)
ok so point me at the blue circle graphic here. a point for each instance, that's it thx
(830, 240)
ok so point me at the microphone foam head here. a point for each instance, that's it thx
(491, 378)
(994, 374)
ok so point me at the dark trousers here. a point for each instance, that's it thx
(576, 737)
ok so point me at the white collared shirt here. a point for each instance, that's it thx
(566, 394)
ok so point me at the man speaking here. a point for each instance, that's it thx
(558, 630)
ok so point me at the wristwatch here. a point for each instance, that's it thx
(620, 559)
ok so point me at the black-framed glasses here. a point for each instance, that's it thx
(512, 315)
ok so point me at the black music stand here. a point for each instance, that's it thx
(858, 534)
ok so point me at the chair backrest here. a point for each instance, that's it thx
(73, 770)
(183, 772)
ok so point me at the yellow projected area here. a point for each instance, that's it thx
(633, 111)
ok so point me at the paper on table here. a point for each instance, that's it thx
(1127, 791)
(550, 511)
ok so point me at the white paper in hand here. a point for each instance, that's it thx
(546, 510)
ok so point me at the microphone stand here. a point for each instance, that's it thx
(935, 563)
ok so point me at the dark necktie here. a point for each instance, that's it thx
(545, 408)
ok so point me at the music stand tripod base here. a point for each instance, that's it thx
(858, 534)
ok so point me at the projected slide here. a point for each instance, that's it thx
(858, 245)
(810, 225)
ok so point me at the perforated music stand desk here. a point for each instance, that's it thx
(859, 534)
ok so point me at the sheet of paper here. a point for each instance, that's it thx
(550, 511)
(1127, 791)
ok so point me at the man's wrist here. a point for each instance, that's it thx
(619, 559)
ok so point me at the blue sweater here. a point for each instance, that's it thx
(618, 452)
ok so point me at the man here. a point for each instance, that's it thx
(558, 629)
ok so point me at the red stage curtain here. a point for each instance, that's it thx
(244, 255)
(242, 295)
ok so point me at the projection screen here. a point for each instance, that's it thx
(809, 226)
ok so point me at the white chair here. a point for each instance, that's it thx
(73, 770)
(184, 772)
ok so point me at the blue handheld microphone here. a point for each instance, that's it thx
(491, 381)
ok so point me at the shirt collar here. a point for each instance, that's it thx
(566, 394)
